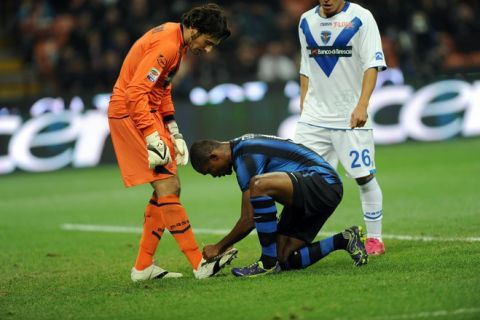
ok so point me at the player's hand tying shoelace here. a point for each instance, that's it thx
(158, 153)
(181, 149)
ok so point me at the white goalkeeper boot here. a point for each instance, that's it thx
(208, 269)
(153, 272)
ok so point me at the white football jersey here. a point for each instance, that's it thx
(336, 52)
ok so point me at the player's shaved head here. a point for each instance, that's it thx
(201, 151)
(212, 157)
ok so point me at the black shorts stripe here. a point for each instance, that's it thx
(162, 169)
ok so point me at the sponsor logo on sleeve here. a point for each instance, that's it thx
(378, 55)
(153, 75)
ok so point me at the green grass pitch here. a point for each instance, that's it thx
(430, 190)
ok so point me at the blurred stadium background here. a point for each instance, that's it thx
(59, 60)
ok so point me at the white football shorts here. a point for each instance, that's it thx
(354, 148)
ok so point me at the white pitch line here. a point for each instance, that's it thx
(429, 314)
(128, 229)
(100, 228)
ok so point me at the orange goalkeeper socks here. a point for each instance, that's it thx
(166, 212)
(153, 228)
(176, 221)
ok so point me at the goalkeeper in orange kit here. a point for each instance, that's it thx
(147, 140)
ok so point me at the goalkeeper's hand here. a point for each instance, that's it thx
(181, 149)
(158, 153)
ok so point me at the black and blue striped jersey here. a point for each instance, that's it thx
(254, 154)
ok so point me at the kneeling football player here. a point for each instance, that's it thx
(269, 170)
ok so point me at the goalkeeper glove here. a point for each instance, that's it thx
(181, 150)
(158, 153)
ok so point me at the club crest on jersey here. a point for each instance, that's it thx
(153, 75)
(326, 36)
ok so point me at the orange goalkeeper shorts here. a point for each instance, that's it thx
(131, 151)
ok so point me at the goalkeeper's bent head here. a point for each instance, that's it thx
(207, 19)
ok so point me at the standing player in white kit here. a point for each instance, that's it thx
(341, 54)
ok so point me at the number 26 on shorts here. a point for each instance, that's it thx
(360, 157)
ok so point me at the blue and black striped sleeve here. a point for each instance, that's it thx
(246, 168)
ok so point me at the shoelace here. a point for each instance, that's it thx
(253, 265)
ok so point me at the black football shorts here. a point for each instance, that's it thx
(314, 200)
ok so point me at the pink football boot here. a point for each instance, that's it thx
(374, 247)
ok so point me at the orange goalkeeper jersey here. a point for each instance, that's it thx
(144, 83)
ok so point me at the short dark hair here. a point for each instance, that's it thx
(207, 19)
(200, 152)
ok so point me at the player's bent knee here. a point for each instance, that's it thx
(167, 186)
(257, 186)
